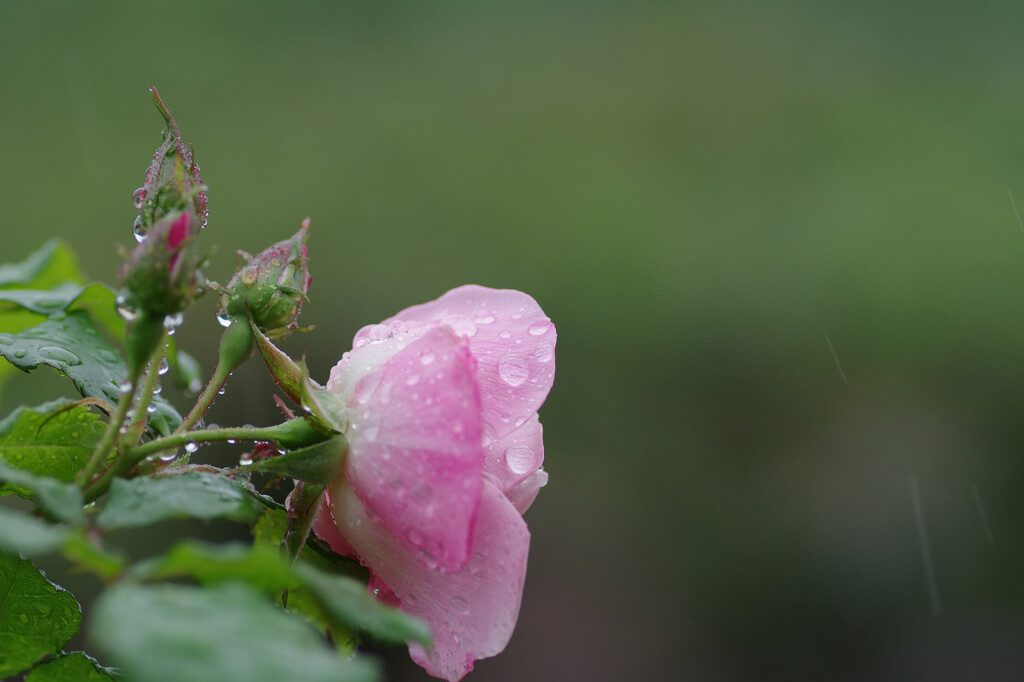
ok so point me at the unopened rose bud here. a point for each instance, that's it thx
(270, 287)
(159, 279)
(172, 180)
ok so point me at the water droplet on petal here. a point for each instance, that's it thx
(415, 538)
(506, 334)
(461, 605)
(461, 325)
(544, 351)
(484, 318)
(427, 358)
(520, 459)
(412, 379)
(539, 327)
(513, 369)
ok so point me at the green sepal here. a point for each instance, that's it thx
(319, 464)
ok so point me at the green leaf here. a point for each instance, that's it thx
(71, 344)
(99, 301)
(60, 501)
(80, 551)
(144, 501)
(48, 441)
(228, 633)
(42, 301)
(319, 464)
(347, 602)
(260, 566)
(24, 534)
(76, 667)
(36, 617)
(50, 265)
(343, 600)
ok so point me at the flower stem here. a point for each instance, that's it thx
(138, 423)
(100, 451)
(236, 346)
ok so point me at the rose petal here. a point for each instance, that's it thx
(510, 337)
(415, 455)
(471, 613)
(514, 458)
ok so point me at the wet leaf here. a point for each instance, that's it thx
(52, 264)
(48, 441)
(319, 464)
(24, 534)
(228, 633)
(143, 501)
(73, 346)
(60, 501)
(75, 667)
(36, 617)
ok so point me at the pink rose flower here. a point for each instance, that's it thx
(445, 454)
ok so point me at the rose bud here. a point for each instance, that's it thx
(172, 180)
(270, 287)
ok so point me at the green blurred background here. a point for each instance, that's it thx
(697, 194)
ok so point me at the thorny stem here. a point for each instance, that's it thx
(113, 427)
(176, 440)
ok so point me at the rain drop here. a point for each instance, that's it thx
(520, 459)
(168, 456)
(484, 318)
(138, 229)
(223, 318)
(461, 325)
(191, 447)
(506, 334)
(20, 353)
(163, 368)
(124, 386)
(427, 358)
(539, 327)
(138, 197)
(126, 313)
(245, 460)
(513, 369)
(544, 352)
(172, 321)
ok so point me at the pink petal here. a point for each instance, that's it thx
(415, 455)
(471, 613)
(513, 458)
(512, 340)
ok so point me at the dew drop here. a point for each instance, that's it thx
(245, 460)
(222, 390)
(126, 313)
(124, 386)
(461, 325)
(412, 379)
(139, 230)
(138, 197)
(544, 352)
(175, 320)
(415, 538)
(191, 447)
(505, 334)
(513, 369)
(20, 353)
(484, 318)
(168, 456)
(163, 368)
(520, 459)
(539, 327)
(151, 408)
(427, 358)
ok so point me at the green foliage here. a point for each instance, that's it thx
(344, 601)
(36, 617)
(24, 534)
(52, 440)
(76, 667)
(61, 501)
(144, 501)
(228, 633)
(320, 463)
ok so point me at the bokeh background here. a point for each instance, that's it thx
(777, 240)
